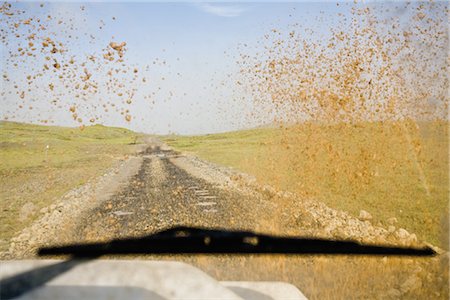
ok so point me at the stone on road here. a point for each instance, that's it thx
(163, 195)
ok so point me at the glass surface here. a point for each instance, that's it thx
(312, 119)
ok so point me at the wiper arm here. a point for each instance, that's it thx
(189, 240)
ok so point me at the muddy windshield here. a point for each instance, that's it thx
(305, 119)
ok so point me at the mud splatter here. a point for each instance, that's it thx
(362, 108)
(381, 62)
(47, 48)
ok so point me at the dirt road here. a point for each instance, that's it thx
(162, 195)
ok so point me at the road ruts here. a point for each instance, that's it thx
(162, 195)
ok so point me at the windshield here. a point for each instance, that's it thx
(305, 119)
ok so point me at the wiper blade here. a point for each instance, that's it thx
(191, 240)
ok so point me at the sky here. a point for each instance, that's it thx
(195, 91)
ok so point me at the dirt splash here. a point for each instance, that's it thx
(42, 51)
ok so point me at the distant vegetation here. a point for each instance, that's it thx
(40, 163)
(391, 169)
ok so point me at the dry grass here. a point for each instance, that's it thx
(32, 179)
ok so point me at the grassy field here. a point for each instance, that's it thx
(38, 164)
(390, 169)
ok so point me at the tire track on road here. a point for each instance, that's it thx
(162, 195)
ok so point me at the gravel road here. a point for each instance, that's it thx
(162, 195)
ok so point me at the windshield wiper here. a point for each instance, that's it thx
(191, 240)
(188, 240)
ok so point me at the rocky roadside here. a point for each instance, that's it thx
(57, 221)
(297, 215)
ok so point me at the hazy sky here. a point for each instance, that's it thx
(196, 90)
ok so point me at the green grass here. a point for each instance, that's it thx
(34, 175)
(391, 169)
(231, 149)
